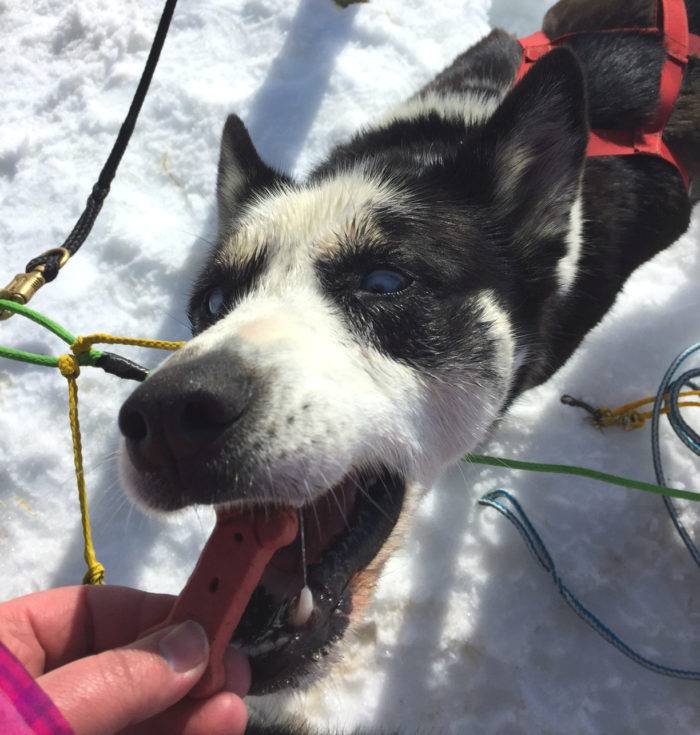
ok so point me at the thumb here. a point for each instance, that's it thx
(103, 694)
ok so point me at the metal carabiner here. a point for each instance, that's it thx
(24, 285)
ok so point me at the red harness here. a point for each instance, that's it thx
(672, 23)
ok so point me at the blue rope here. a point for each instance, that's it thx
(519, 519)
(683, 431)
(691, 439)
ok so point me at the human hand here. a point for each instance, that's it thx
(78, 643)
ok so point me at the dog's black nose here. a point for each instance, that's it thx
(183, 409)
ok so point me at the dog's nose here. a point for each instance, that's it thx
(183, 409)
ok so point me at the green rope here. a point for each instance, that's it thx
(565, 469)
(33, 358)
(44, 321)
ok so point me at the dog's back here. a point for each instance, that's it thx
(623, 69)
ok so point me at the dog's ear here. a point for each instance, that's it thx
(537, 143)
(241, 171)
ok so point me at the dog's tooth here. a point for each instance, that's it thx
(258, 649)
(265, 647)
(301, 612)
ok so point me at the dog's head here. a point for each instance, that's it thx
(355, 334)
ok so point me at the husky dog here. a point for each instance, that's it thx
(356, 333)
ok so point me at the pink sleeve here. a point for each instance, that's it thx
(25, 708)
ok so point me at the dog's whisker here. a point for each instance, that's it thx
(318, 522)
(331, 492)
(174, 318)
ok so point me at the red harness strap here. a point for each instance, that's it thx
(678, 43)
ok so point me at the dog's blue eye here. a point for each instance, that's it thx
(215, 301)
(384, 282)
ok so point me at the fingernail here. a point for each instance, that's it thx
(185, 647)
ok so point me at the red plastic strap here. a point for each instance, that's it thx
(535, 46)
(672, 22)
(630, 143)
(674, 26)
(675, 35)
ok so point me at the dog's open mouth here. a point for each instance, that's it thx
(187, 445)
(343, 532)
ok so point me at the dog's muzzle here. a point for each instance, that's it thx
(184, 411)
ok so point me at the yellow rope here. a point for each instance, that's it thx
(628, 417)
(70, 369)
(85, 344)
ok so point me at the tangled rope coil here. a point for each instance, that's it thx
(667, 401)
(669, 393)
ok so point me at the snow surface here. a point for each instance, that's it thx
(467, 634)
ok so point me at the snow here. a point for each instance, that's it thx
(467, 634)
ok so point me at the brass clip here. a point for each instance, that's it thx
(24, 285)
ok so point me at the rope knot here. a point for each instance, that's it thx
(68, 365)
(95, 574)
(81, 345)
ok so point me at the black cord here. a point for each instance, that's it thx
(100, 190)
(121, 367)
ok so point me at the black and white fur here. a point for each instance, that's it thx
(513, 245)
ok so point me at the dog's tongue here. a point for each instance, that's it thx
(229, 569)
